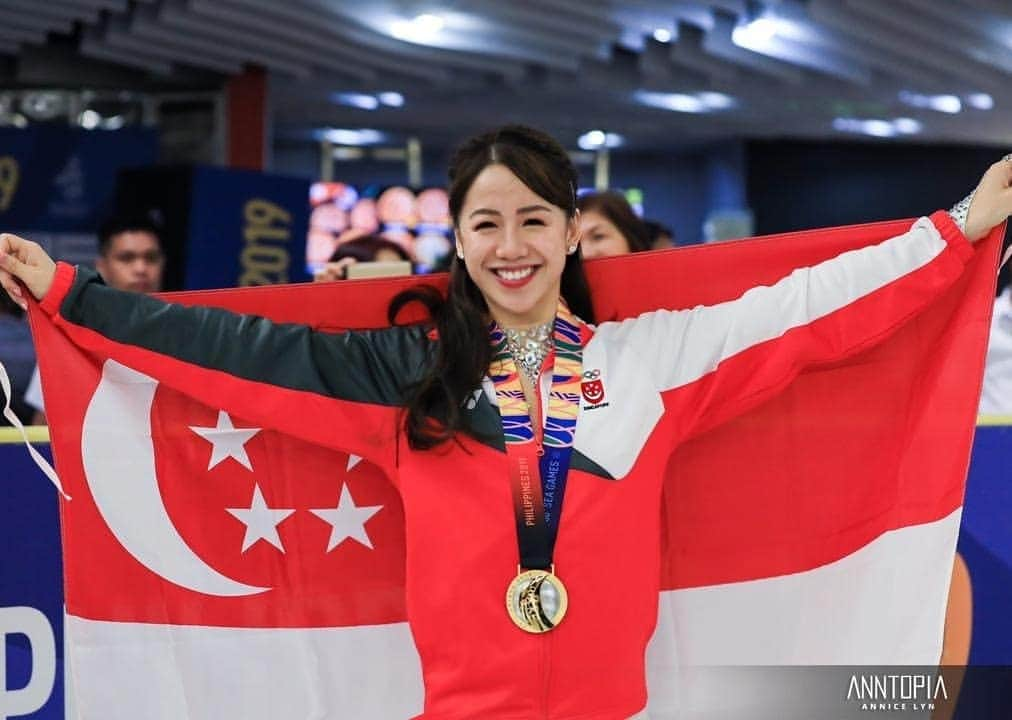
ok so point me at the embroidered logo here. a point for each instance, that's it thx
(592, 387)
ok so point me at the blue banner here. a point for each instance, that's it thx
(57, 182)
(31, 582)
(246, 228)
(985, 542)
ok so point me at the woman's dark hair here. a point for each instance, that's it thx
(118, 224)
(365, 249)
(434, 403)
(616, 208)
(657, 230)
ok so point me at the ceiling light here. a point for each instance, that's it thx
(44, 105)
(756, 34)
(358, 100)
(907, 126)
(716, 100)
(421, 29)
(594, 138)
(678, 102)
(946, 103)
(89, 119)
(981, 101)
(391, 99)
(662, 35)
(877, 127)
(344, 136)
(940, 103)
(597, 139)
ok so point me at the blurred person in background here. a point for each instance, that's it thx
(371, 248)
(608, 226)
(17, 355)
(661, 236)
(130, 257)
(996, 396)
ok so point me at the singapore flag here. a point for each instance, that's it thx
(216, 570)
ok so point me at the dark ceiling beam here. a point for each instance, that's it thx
(168, 47)
(963, 31)
(576, 33)
(12, 18)
(688, 52)
(182, 34)
(54, 9)
(93, 45)
(865, 21)
(232, 22)
(906, 60)
(344, 27)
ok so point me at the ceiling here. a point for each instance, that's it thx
(720, 68)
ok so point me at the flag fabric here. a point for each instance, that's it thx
(217, 569)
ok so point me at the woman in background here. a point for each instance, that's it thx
(370, 248)
(608, 226)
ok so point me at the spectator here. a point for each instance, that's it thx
(17, 355)
(371, 248)
(130, 257)
(608, 226)
(661, 236)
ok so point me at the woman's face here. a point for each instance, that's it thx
(599, 237)
(514, 243)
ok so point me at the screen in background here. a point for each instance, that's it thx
(418, 222)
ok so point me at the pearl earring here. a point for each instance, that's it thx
(460, 252)
(571, 249)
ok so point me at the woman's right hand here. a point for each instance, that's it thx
(26, 261)
(334, 270)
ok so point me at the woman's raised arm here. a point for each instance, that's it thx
(338, 390)
(714, 362)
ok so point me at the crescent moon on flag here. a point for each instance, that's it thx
(119, 465)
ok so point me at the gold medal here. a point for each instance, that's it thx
(536, 601)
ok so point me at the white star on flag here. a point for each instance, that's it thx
(227, 441)
(353, 460)
(347, 520)
(261, 521)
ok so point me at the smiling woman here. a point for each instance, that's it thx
(508, 403)
(513, 204)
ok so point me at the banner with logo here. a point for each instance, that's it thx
(246, 228)
(58, 182)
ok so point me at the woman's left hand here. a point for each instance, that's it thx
(992, 201)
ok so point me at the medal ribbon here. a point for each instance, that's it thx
(539, 481)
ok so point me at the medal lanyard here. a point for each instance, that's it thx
(538, 471)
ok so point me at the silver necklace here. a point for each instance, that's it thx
(530, 347)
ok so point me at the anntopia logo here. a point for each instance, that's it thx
(897, 692)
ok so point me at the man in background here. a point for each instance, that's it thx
(130, 257)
